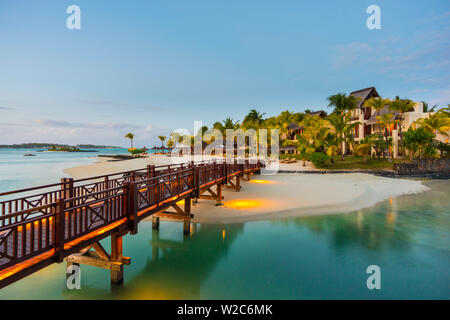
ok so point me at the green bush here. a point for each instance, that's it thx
(318, 159)
(419, 141)
(136, 152)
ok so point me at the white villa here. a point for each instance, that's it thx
(369, 122)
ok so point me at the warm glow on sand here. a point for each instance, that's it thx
(262, 181)
(244, 204)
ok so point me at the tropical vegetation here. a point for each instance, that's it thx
(323, 138)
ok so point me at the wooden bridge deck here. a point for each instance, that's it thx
(43, 225)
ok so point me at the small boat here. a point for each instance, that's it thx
(29, 155)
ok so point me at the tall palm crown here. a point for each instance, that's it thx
(377, 103)
(254, 116)
(401, 105)
(426, 107)
(162, 138)
(130, 136)
(228, 123)
(343, 103)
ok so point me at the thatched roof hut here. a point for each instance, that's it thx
(293, 126)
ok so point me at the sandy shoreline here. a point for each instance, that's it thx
(278, 195)
(295, 195)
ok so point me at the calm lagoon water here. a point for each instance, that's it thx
(321, 257)
(17, 171)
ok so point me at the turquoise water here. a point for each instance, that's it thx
(17, 171)
(322, 257)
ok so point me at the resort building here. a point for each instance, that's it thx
(369, 123)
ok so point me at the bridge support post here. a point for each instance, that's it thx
(117, 255)
(219, 194)
(155, 223)
(98, 257)
(237, 185)
(187, 212)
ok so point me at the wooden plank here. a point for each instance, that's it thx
(94, 261)
(101, 251)
(178, 209)
(173, 216)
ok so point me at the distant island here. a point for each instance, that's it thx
(55, 147)
(69, 149)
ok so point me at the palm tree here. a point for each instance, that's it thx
(401, 106)
(316, 131)
(363, 150)
(343, 105)
(387, 120)
(228, 123)
(130, 136)
(377, 103)
(426, 107)
(170, 143)
(254, 116)
(162, 138)
(303, 148)
(331, 145)
(342, 128)
(437, 123)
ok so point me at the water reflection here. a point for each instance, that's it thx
(420, 218)
(175, 269)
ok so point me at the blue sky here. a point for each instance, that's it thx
(152, 66)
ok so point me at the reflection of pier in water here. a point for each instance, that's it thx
(174, 269)
(194, 258)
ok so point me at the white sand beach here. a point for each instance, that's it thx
(285, 195)
(278, 195)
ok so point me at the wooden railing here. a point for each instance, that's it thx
(50, 218)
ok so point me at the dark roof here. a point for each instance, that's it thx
(319, 113)
(364, 94)
(294, 126)
(373, 119)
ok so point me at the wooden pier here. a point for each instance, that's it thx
(48, 224)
